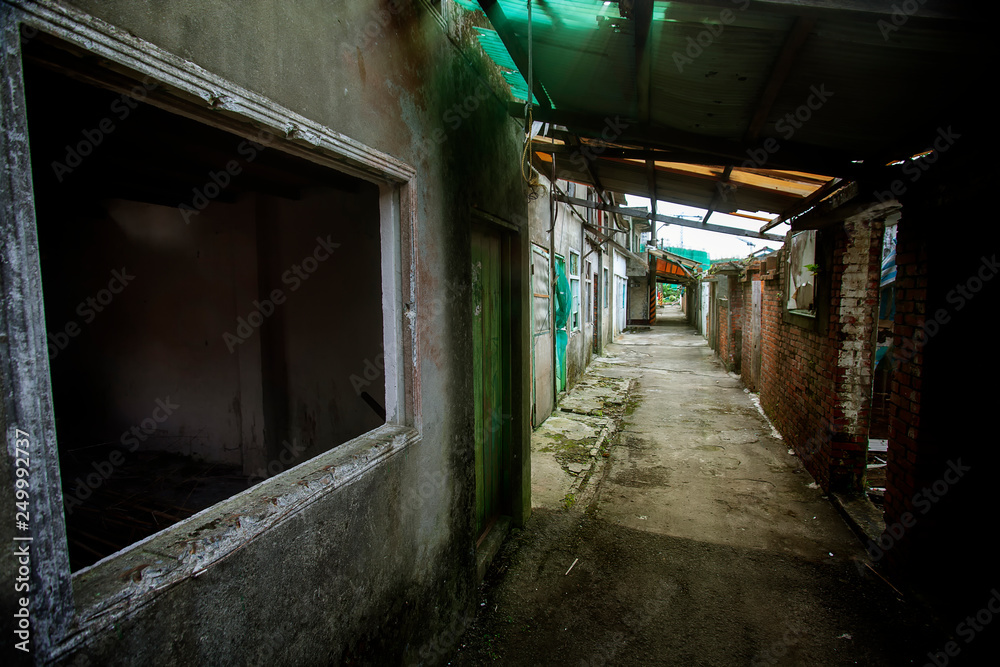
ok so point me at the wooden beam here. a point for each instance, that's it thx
(719, 185)
(591, 171)
(797, 157)
(804, 205)
(500, 23)
(611, 151)
(670, 220)
(828, 210)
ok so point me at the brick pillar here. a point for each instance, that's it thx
(857, 272)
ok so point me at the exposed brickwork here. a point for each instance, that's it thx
(725, 342)
(736, 317)
(903, 479)
(815, 385)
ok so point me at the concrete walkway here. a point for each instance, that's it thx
(702, 542)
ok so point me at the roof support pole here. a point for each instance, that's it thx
(651, 183)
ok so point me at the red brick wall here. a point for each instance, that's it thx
(903, 478)
(736, 320)
(731, 325)
(725, 342)
(815, 384)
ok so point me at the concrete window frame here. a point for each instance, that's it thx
(68, 607)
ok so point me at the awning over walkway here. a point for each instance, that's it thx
(667, 267)
(749, 105)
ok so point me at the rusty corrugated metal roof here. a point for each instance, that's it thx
(759, 86)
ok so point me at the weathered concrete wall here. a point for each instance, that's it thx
(638, 300)
(619, 294)
(371, 573)
(566, 236)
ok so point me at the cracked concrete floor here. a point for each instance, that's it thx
(704, 542)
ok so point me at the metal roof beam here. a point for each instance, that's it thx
(669, 219)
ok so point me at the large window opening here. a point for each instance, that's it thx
(213, 306)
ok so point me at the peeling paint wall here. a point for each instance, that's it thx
(372, 561)
(566, 235)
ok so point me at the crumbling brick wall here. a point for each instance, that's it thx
(722, 311)
(815, 383)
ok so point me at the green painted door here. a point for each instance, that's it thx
(491, 427)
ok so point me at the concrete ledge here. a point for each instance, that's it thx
(861, 515)
(491, 545)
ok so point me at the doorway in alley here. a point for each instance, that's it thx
(491, 326)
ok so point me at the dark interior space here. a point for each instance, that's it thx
(213, 305)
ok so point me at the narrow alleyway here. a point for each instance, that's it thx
(705, 543)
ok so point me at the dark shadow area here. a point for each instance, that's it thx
(639, 598)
